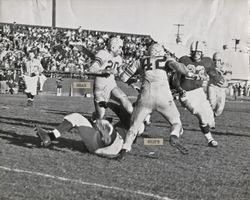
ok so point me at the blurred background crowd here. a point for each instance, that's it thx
(52, 46)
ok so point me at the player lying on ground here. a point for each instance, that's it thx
(155, 94)
(101, 137)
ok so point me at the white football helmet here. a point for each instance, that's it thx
(198, 46)
(156, 50)
(116, 45)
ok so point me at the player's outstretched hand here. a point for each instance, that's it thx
(175, 142)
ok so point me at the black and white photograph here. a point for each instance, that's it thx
(125, 99)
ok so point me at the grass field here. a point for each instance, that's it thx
(67, 171)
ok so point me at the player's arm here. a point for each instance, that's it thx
(129, 71)
(177, 84)
(95, 67)
(215, 77)
(82, 48)
(181, 68)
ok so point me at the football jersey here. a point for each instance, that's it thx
(199, 68)
(153, 69)
(33, 66)
(107, 61)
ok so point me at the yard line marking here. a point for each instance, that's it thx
(138, 192)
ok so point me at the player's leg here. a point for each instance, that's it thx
(138, 116)
(31, 88)
(172, 115)
(212, 96)
(42, 79)
(205, 116)
(221, 99)
(170, 112)
(99, 111)
(101, 95)
(196, 102)
(70, 121)
(123, 115)
(123, 98)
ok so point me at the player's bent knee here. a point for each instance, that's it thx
(77, 119)
(126, 104)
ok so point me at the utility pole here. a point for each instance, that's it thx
(53, 13)
(178, 38)
(237, 41)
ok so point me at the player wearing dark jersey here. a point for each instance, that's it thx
(192, 94)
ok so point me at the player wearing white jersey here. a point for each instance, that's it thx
(217, 92)
(105, 64)
(155, 95)
(33, 68)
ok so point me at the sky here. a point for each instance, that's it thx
(217, 22)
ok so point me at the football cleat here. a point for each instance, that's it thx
(175, 142)
(44, 136)
(213, 143)
(29, 103)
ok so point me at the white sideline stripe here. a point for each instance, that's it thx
(84, 183)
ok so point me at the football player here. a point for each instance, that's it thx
(33, 68)
(105, 64)
(191, 90)
(217, 85)
(155, 95)
(100, 138)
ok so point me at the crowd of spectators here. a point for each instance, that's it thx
(239, 90)
(53, 47)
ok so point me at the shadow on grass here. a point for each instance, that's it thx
(64, 113)
(226, 133)
(24, 122)
(32, 142)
